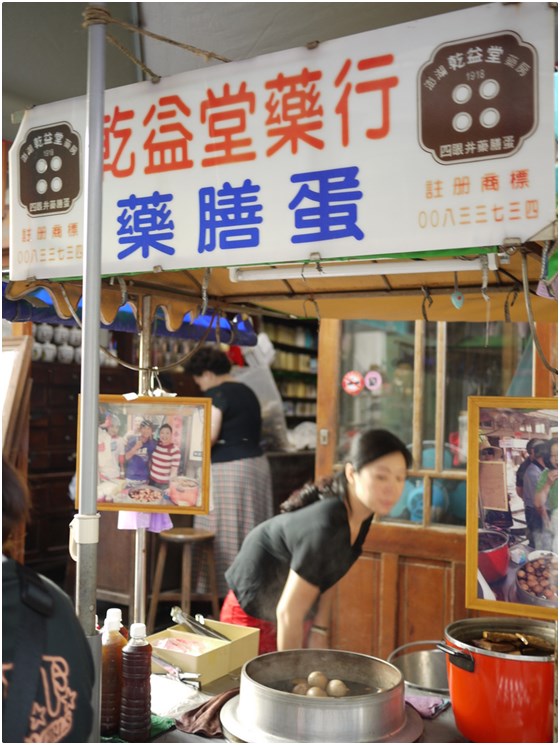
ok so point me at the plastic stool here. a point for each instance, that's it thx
(187, 537)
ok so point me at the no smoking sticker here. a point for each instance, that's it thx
(353, 382)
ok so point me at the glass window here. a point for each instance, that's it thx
(378, 390)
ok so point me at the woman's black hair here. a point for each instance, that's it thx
(365, 448)
(208, 358)
(542, 450)
(551, 442)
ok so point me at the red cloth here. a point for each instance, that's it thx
(236, 356)
(232, 612)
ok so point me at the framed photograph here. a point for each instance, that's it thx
(512, 506)
(153, 454)
(16, 362)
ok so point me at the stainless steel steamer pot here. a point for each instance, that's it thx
(264, 713)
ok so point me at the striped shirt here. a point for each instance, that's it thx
(165, 459)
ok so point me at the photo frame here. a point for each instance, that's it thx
(16, 363)
(153, 454)
(511, 557)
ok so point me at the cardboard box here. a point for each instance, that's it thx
(244, 641)
(244, 644)
(211, 664)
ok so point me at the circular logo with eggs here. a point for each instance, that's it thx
(49, 170)
(477, 98)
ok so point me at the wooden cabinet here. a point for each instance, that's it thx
(290, 471)
(408, 585)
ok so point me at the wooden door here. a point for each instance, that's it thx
(410, 581)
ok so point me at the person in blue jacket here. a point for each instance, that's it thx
(138, 453)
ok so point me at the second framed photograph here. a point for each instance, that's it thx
(512, 506)
(153, 454)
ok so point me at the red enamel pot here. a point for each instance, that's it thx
(493, 554)
(499, 697)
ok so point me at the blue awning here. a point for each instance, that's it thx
(38, 307)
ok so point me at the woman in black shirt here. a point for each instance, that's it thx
(241, 480)
(286, 569)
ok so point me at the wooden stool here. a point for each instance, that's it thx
(187, 537)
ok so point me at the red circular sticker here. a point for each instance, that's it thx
(373, 380)
(353, 382)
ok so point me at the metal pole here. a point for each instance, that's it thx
(86, 524)
(140, 543)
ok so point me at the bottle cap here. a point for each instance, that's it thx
(111, 624)
(137, 630)
(115, 613)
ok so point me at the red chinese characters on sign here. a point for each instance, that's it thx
(381, 85)
(226, 116)
(294, 115)
(294, 110)
(115, 139)
(167, 144)
(520, 179)
(505, 209)
(490, 182)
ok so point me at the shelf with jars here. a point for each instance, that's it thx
(294, 366)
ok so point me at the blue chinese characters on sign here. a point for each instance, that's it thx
(333, 212)
(229, 215)
(145, 222)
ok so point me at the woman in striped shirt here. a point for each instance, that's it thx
(165, 460)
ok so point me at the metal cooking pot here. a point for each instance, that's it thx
(264, 713)
(500, 697)
(423, 666)
(493, 561)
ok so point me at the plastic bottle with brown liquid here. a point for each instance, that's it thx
(116, 613)
(112, 643)
(136, 715)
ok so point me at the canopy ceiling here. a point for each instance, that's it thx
(410, 296)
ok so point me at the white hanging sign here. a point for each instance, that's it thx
(429, 135)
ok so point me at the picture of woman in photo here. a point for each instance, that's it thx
(165, 460)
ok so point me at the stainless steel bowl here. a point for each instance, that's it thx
(422, 665)
(264, 713)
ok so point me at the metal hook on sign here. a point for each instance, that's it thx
(507, 305)
(317, 311)
(70, 308)
(124, 291)
(457, 297)
(544, 260)
(427, 301)
(205, 283)
(547, 282)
